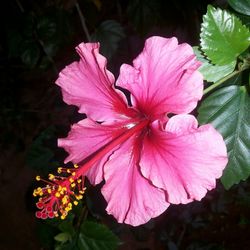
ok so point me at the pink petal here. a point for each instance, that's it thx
(164, 78)
(183, 160)
(131, 198)
(84, 139)
(89, 85)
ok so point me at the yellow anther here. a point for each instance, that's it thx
(81, 191)
(51, 177)
(38, 178)
(79, 197)
(59, 170)
(65, 200)
(75, 203)
(49, 190)
(79, 181)
(63, 217)
(68, 171)
(60, 188)
(73, 173)
(57, 194)
(72, 185)
(69, 207)
(75, 166)
(71, 180)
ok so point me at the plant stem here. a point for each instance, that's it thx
(218, 83)
(82, 19)
(82, 217)
(20, 6)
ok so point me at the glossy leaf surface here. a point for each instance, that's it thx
(108, 34)
(223, 36)
(211, 72)
(95, 236)
(242, 6)
(228, 109)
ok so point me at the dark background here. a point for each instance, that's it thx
(37, 41)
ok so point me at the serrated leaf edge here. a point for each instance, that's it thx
(210, 7)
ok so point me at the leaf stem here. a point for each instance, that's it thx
(218, 83)
(82, 217)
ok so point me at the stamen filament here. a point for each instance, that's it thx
(110, 146)
(60, 192)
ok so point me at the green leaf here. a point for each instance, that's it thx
(67, 246)
(244, 19)
(94, 236)
(30, 53)
(62, 237)
(228, 109)
(46, 28)
(109, 34)
(211, 72)
(242, 6)
(223, 36)
(67, 227)
(144, 14)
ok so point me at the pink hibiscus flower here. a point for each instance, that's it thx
(147, 159)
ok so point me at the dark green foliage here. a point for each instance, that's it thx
(96, 236)
(144, 14)
(39, 36)
(228, 109)
(108, 34)
(242, 6)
